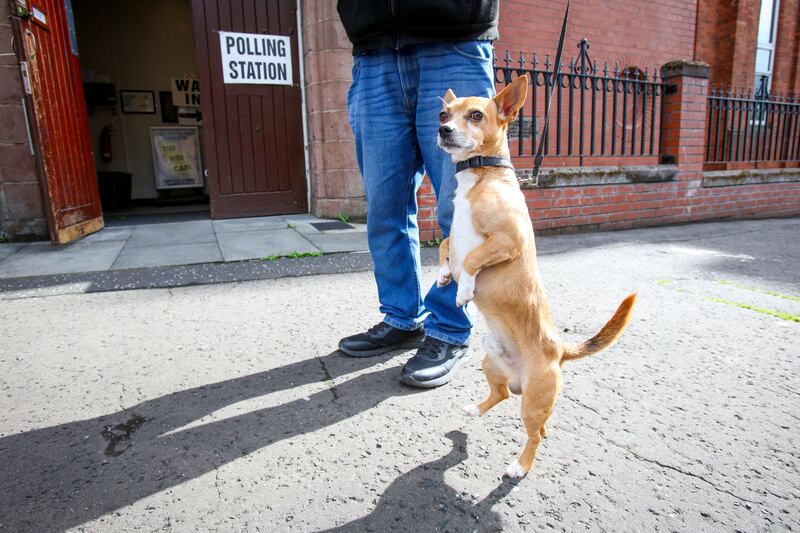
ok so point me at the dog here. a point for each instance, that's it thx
(490, 253)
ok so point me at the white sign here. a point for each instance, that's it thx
(256, 58)
(185, 92)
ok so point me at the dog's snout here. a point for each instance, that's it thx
(445, 130)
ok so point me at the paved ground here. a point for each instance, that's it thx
(141, 244)
(225, 406)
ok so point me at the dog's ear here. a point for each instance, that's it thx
(449, 96)
(509, 101)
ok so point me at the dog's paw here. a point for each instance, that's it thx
(515, 471)
(472, 410)
(445, 276)
(466, 289)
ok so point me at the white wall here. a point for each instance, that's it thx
(140, 45)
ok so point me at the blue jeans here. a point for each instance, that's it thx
(394, 105)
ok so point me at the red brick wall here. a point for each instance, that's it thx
(785, 75)
(21, 211)
(639, 33)
(727, 34)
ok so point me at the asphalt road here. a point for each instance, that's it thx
(225, 406)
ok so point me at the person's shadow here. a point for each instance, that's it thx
(420, 500)
(59, 477)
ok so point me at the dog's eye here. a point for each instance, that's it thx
(477, 116)
(443, 116)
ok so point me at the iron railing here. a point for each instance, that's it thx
(613, 112)
(752, 127)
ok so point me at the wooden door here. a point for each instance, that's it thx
(253, 134)
(60, 123)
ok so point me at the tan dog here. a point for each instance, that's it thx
(491, 254)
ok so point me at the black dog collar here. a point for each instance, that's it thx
(480, 161)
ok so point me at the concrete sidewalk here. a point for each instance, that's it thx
(226, 406)
(188, 242)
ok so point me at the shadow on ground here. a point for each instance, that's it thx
(62, 476)
(420, 500)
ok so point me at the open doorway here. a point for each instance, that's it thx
(147, 147)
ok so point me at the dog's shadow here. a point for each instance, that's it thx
(62, 476)
(420, 500)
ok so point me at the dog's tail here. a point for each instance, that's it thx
(606, 336)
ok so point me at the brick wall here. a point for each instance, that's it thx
(727, 34)
(786, 70)
(336, 185)
(635, 32)
(21, 211)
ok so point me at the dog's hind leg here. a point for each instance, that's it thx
(538, 401)
(498, 388)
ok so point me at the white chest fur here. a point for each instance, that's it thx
(463, 237)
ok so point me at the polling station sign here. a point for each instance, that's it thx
(256, 58)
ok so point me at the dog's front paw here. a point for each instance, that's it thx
(515, 471)
(472, 410)
(445, 276)
(466, 289)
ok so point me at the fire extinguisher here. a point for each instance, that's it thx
(105, 144)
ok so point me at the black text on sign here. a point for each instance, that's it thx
(255, 58)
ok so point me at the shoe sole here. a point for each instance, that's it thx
(410, 345)
(438, 382)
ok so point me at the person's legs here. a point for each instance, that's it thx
(466, 68)
(382, 119)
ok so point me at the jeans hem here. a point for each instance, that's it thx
(458, 340)
(405, 326)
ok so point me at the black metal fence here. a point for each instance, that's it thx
(752, 127)
(608, 112)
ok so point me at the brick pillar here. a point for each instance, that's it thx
(683, 124)
(22, 215)
(786, 68)
(336, 185)
(726, 38)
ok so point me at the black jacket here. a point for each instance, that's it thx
(397, 23)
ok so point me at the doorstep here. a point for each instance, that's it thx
(190, 242)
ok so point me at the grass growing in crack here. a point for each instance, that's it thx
(293, 255)
(290, 226)
(778, 314)
(663, 282)
(431, 244)
(343, 218)
(756, 289)
(3, 237)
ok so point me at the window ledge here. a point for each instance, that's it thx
(726, 178)
(578, 176)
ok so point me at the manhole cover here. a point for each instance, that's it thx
(328, 226)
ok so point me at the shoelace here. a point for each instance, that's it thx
(380, 327)
(431, 348)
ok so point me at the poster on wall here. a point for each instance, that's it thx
(256, 58)
(176, 157)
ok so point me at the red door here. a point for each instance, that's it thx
(59, 120)
(253, 134)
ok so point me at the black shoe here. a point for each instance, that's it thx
(434, 364)
(381, 338)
